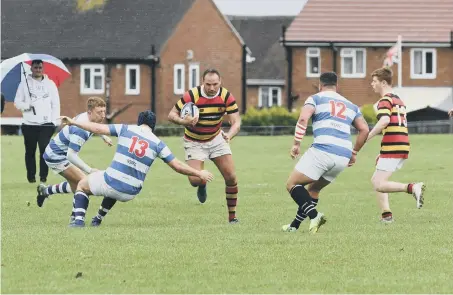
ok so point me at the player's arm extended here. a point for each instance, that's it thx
(363, 130)
(305, 114)
(183, 168)
(96, 128)
(380, 125)
(74, 158)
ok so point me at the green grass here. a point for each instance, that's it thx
(164, 241)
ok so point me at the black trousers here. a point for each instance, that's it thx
(36, 135)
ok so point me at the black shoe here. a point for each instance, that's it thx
(32, 180)
(202, 194)
(43, 179)
(41, 197)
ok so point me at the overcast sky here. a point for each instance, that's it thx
(260, 7)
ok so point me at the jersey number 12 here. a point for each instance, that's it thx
(337, 109)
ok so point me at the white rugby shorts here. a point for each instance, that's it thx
(316, 164)
(59, 167)
(99, 187)
(389, 164)
(202, 151)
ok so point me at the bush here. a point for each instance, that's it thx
(275, 116)
(369, 114)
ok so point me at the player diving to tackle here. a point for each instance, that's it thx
(136, 151)
(61, 154)
(331, 152)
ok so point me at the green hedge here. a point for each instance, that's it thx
(369, 114)
(275, 116)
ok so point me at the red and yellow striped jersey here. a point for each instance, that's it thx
(212, 111)
(395, 142)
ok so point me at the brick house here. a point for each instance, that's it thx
(138, 52)
(352, 38)
(266, 75)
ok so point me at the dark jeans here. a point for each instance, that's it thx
(36, 135)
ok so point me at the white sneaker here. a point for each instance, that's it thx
(417, 191)
(317, 222)
(288, 228)
(42, 189)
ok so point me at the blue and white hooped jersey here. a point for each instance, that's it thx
(332, 122)
(69, 137)
(137, 149)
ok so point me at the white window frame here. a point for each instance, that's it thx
(343, 54)
(270, 102)
(130, 91)
(308, 55)
(424, 75)
(92, 67)
(176, 68)
(197, 76)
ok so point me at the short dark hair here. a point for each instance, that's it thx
(210, 71)
(328, 79)
(148, 118)
(383, 74)
(36, 62)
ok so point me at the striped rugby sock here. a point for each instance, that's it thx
(61, 188)
(301, 196)
(106, 206)
(81, 202)
(300, 215)
(231, 199)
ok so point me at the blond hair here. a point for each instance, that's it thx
(94, 102)
(383, 74)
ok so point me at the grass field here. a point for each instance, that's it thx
(164, 241)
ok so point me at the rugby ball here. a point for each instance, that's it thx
(189, 109)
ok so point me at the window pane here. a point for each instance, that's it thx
(347, 65)
(265, 97)
(418, 62)
(98, 82)
(194, 78)
(274, 92)
(314, 65)
(312, 52)
(133, 79)
(429, 63)
(179, 78)
(359, 69)
(87, 79)
(97, 70)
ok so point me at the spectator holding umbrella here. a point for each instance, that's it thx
(38, 99)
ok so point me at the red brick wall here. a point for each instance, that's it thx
(253, 96)
(203, 30)
(359, 90)
(119, 99)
